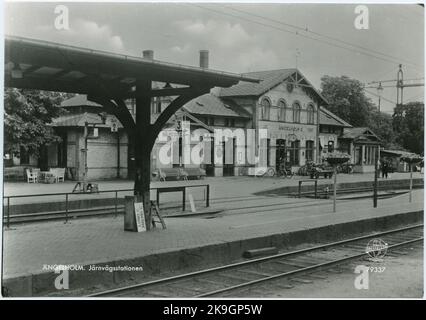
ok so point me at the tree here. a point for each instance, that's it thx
(26, 115)
(347, 99)
(408, 123)
(382, 125)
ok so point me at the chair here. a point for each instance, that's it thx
(32, 177)
(60, 174)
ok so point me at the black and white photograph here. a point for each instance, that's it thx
(212, 150)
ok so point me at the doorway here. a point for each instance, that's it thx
(228, 157)
(209, 165)
(281, 153)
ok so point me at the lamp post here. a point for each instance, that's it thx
(379, 93)
(85, 149)
(376, 173)
(335, 158)
(376, 162)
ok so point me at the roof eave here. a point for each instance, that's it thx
(221, 78)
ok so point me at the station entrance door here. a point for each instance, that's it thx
(281, 153)
(228, 154)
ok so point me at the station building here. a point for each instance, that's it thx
(362, 144)
(298, 125)
(287, 106)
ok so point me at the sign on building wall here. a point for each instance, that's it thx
(113, 125)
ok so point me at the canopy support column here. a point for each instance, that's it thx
(142, 145)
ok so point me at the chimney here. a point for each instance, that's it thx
(148, 54)
(204, 59)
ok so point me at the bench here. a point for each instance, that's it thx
(325, 173)
(196, 173)
(85, 187)
(162, 174)
(14, 174)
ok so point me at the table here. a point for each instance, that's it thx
(46, 175)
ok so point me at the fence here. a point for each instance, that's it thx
(67, 209)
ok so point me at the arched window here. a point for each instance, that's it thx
(296, 112)
(281, 110)
(311, 114)
(266, 107)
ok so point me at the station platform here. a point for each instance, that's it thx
(187, 243)
(220, 186)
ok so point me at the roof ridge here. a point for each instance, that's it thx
(271, 70)
(210, 104)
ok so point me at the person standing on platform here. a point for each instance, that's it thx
(385, 169)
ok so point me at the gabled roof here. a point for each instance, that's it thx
(209, 104)
(358, 132)
(79, 100)
(78, 120)
(269, 79)
(185, 114)
(329, 118)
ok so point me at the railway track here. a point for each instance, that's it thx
(111, 210)
(294, 265)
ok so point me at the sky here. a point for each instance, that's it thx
(318, 39)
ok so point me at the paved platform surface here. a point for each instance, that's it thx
(28, 247)
(220, 187)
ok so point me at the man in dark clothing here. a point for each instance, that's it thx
(385, 169)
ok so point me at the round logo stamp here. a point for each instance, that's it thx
(376, 249)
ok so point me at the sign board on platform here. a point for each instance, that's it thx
(140, 217)
(192, 203)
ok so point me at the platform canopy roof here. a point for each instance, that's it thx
(42, 65)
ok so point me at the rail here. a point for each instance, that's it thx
(7, 199)
(190, 281)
